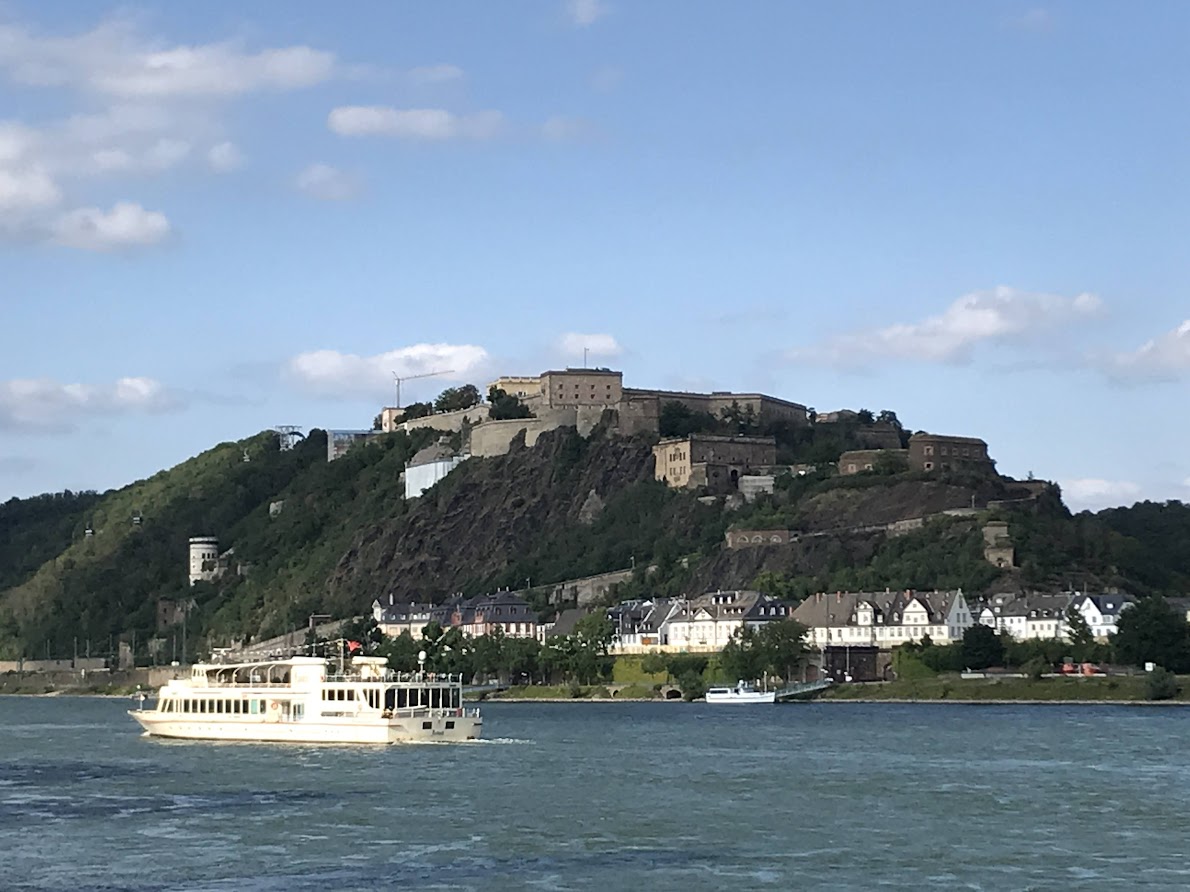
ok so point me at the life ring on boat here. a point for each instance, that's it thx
(274, 713)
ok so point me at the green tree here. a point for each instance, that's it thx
(1082, 639)
(692, 686)
(417, 410)
(864, 416)
(595, 631)
(743, 657)
(654, 664)
(783, 645)
(520, 659)
(982, 647)
(489, 652)
(503, 406)
(1161, 684)
(455, 398)
(376, 423)
(1151, 632)
(401, 652)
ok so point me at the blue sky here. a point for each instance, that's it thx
(217, 218)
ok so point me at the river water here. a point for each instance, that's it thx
(609, 796)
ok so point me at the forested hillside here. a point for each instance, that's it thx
(568, 507)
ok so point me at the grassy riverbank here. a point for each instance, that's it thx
(950, 688)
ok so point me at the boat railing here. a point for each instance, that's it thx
(398, 678)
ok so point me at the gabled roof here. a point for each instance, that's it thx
(1107, 605)
(566, 621)
(888, 608)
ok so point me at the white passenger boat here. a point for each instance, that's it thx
(743, 692)
(297, 700)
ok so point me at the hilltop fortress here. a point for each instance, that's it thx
(582, 399)
(586, 398)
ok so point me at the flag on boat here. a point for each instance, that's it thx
(353, 646)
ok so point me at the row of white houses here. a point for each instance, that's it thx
(707, 623)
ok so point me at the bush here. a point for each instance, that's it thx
(1037, 667)
(692, 686)
(1161, 684)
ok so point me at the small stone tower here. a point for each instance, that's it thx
(204, 558)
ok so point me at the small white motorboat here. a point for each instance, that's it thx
(743, 692)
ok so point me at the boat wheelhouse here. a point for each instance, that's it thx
(298, 700)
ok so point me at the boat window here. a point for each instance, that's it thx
(298, 710)
(426, 726)
(402, 698)
(456, 698)
(449, 725)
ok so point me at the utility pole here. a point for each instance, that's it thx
(399, 378)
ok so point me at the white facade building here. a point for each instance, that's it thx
(708, 622)
(429, 466)
(884, 619)
(1102, 612)
(1030, 617)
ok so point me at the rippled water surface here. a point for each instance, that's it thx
(609, 796)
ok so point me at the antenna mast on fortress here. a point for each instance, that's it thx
(399, 378)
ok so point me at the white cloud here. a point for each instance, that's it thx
(1094, 492)
(430, 124)
(327, 183)
(115, 59)
(330, 373)
(224, 157)
(1164, 357)
(26, 189)
(126, 225)
(584, 13)
(574, 344)
(44, 404)
(1000, 315)
(435, 74)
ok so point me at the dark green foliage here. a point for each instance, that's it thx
(1144, 549)
(35, 530)
(1161, 684)
(692, 686)
(1037, 667)
(678, 420)
(982, 648)
(775, 648)
(1151, 632)
(416, 410)
(504, 406)
(455, 398)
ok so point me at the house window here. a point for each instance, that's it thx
(929, 466)
(929, 450)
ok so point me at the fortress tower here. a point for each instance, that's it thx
(204, 558)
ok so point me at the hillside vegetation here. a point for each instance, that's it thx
(566, 508)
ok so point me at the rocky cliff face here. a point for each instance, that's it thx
(476, 523)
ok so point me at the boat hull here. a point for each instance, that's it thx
(743, 698)
(399, 729)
